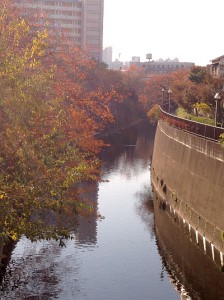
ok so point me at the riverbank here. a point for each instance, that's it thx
(187, 173)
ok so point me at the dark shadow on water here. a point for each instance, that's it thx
(6, 251)
(192, 273)
(135, 141)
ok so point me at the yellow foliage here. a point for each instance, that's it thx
(49, 117)
(153, 114)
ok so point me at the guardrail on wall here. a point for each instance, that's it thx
(200, 129)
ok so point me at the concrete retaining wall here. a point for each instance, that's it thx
(188, 174)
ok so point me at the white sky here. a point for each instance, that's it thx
(191, 30)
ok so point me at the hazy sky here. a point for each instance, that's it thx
(191, 30)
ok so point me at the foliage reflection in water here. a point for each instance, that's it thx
(113, 255)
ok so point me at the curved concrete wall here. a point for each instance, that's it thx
(188, 173)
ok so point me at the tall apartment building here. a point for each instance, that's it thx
(80, 20)
(107, 56)
(92, 21)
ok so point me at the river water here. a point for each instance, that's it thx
(115, 254)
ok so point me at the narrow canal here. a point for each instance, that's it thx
(114, 255)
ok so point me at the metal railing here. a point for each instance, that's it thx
(200, 129)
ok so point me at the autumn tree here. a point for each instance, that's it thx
(130, 110)
(50, 117)
(192, 89)
(198, 74)
(124, 104)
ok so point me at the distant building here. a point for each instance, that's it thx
(135, 59)
(117, 65)
(166, 66)
(216, 67)
(162, 66)
(107, 56)
(80, 20)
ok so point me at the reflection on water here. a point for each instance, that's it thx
(86, 233)
(192, 272)
(114, 255)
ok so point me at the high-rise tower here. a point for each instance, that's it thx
(107, 56)
(93, 27)
(81, 20)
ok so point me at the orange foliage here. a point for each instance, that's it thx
(53, 105)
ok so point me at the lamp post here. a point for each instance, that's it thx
(169, 93)
(163, 91)
(217, 107)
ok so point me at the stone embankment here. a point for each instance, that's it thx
(188, 179)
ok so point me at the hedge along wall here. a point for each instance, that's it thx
(200, 129)
(188, 173)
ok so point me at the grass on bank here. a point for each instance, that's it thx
(180, 112)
